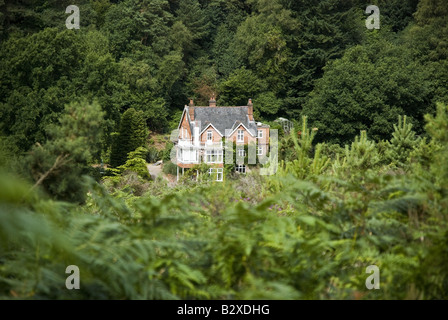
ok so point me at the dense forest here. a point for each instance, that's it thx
(362, 178)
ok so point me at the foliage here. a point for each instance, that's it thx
(169, 168)
(136, 162)
(132, 134)
(59, 164)
(375, 84)
(153, 155)
(402, 143)
(362, 153)
(302, 165)
(241, 85)
(309, 239)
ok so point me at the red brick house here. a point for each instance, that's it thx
(203, 131)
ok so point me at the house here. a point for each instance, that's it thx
(204, 131)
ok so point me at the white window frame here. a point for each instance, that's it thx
(240, 138)
(240, 168)
(213, 155)
(219, 173)
(241, 152)
(209, 136)
(259, 150)
(260, 134)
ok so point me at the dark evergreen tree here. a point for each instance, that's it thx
(132, 134)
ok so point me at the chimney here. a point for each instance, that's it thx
(250, 110)
(212, 102)
(191, 110)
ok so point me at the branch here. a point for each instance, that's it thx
(58, 162)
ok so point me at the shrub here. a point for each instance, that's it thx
(169, 168)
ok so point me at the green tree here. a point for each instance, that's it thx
(402, 143)
(426, 41)
(192, 24)
(132, 134)
(49, 69)
(35, 86)
(266, 104)
(241, 85)
(367, 89)
(362, 153)
(136, 163)
(326, 29)
(430, 10)
(223, 53)
(261, 41)
(58, 165)
(396, 14)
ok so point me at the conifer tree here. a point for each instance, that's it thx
(402, 142)
(362, 154)
(58, 164)
(132, 134)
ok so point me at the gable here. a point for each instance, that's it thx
(241, 126)
(185, 124)
(217, 136)
(210, 125)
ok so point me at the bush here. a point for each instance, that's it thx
(169, 168)
(153, 155)
(167, 152)
(136, 163)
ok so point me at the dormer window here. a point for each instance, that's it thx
(240, 136)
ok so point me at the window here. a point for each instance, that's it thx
(187, 154)
(259, 151)
(241, 168)
(213, 156)
(218, 172)
(209, 136)
(241, 153)
(260, 134)
(240, 135)
(209, 156)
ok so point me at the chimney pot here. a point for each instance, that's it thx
(212, 102)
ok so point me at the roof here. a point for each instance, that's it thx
(224, 118)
